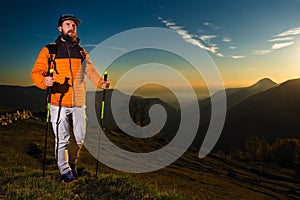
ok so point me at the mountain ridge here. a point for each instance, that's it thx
(265, 109)
(270, 115)
(33, 98)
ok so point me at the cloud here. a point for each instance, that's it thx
(227, 39)
(212, 25)
(275, 46)
(237, 57)
(207, 38)
(292, 31)
(169, 23)
(214, 48)
(207, 24)
(220, 54)
(89, 45)
(189, 38)
(281, 39)
(281, 45)
(185, 35)
(261, 52)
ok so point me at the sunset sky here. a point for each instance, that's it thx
(247, 40)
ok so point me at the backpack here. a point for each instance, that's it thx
(52, 47)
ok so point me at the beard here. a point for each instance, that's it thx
(69, 38)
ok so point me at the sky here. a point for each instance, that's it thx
(247, 40)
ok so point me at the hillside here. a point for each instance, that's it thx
(267, 110)
(138, 108)
(264, 109)
(270, 115)
(236, 95)
(30, 98)
(214, 177)
(33, 98)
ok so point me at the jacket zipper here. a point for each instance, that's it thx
(72, 77)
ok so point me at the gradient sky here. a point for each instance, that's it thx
(248, 40)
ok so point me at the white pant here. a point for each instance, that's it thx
(63, 120)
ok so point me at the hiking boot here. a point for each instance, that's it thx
(74, 169)
(69, 177)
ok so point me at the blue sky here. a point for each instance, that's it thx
(248, 40)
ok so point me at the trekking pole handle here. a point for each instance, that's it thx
(105, 75)
(49, 96)
(51, 72)
(103, 97)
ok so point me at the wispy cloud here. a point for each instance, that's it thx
(204, 40)
(183, 33)
(237, 57)
(207, 24)
(281, 39)
(261, 52)
(212, 25)
(220, 55)
(214, 48)
(227, 39)
(193, 39)
(281, 45)
(88, 45)
(292, 31)
(207, 38)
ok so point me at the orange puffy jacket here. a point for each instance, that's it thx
(72, 63)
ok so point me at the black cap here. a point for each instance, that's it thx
(68, 17)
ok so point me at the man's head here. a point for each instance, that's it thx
(67, 25)
(65, 17)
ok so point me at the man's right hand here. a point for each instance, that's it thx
(49, 81)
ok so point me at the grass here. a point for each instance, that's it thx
(22, 181)
(32, 186)
(214, 177)
(21, 171)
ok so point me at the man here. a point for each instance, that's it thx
(68, 63)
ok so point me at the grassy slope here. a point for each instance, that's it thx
(21, 171)
(214, 177)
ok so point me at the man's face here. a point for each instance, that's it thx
(68, 30)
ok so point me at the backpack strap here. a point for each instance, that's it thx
(52, 47)
(82, 53)
(51, 60)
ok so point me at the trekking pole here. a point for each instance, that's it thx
(101, 119)
(47, 120)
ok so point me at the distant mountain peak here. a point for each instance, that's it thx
(266, 80)
(263, 84)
